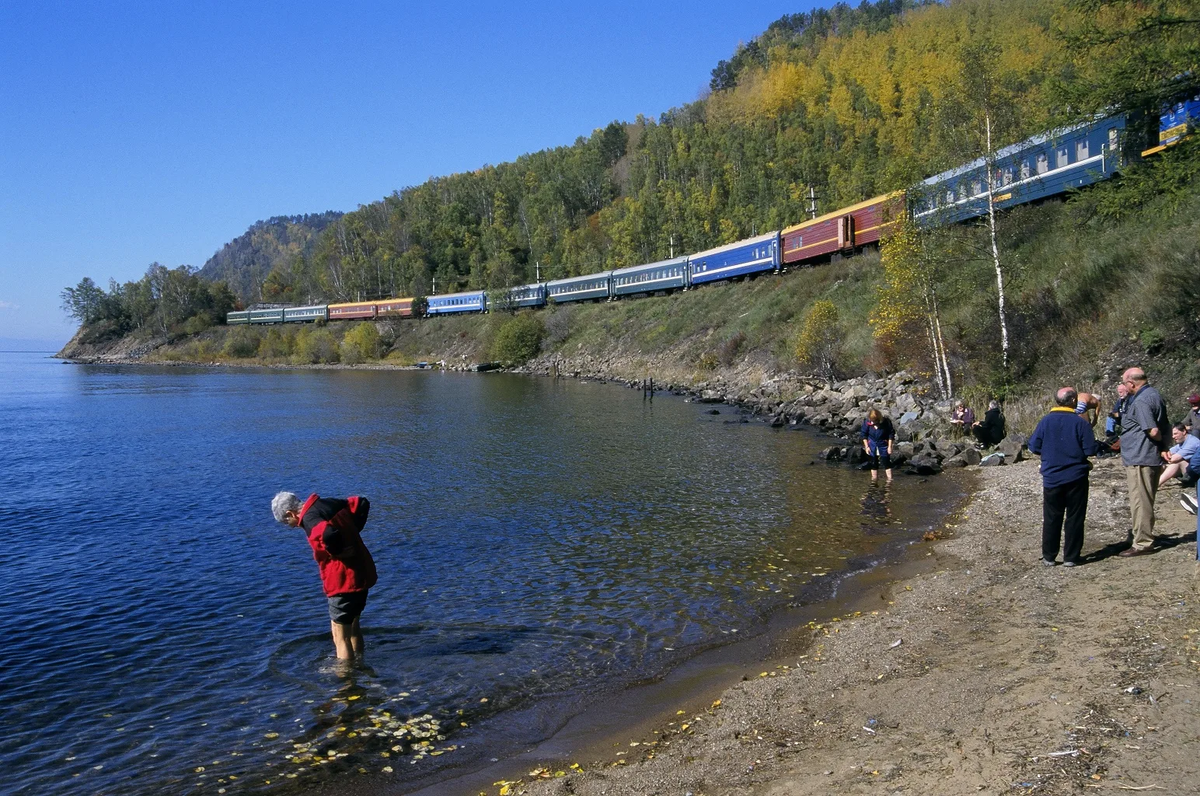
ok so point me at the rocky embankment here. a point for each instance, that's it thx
(926, 442)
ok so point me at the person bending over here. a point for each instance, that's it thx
(334, 529)
(878, 438)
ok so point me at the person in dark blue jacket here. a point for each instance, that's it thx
(878, 437)
(1064, 440)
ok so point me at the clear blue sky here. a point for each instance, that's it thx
(139, 132)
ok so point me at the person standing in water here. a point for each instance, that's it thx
(334, 527)
(878, 438)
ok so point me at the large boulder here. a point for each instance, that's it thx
(1013, 448)
(925, 465)
(910, 417)
(855, 455)
(833, 453)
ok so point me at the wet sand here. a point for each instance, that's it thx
(980, 671)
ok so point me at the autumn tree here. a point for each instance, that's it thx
(819, 341)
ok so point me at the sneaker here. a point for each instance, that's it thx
(1047, 562)
(1188, 502)
(1070, 563)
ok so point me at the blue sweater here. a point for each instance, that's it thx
(1064, 440)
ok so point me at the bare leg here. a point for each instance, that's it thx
(356, 640)
(342, 644)
(1169, 472)
(888, 473)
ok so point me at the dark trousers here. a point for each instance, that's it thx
(1071, 500)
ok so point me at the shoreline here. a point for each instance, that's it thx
(1008, 676)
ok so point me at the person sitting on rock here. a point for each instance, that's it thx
(990, 430)
(962, 418)
(1177, 457)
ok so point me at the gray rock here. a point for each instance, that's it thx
(970, 455)
(909, 417)
(832, 454)
(955, 461)
(855, 455)
(925, 465)
(1013, 448)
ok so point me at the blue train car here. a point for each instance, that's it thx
(269, 315)
(663, 275)
(1175, 123)
(452, 303)
(527, 295)
(302, 314)
(749, 256)
(579, 288)
(240, 316)
(1045, 165)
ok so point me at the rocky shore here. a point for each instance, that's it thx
(926, 442)
(984, 672)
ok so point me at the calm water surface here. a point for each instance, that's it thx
(539, 543)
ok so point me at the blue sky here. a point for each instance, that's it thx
(139, 132)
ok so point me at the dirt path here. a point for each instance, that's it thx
(1009, 677)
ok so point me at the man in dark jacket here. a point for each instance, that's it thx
(334, 528)
(1064, 440)
(990, 430)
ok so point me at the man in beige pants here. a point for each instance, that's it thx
(1143, 436)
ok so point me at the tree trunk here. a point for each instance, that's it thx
(991, 194)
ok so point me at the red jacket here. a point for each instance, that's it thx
(333, 528)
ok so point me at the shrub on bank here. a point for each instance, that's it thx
(316, 347)
(241, 343)
(519, 339)
(361, 343)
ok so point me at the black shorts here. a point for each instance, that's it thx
(879, 461)
(345, 608)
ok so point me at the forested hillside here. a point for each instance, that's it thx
(846, 102)
(246, 261)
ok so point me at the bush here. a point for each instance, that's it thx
(276, 345)
(316, 346)
(518, 339)
(198, 323)
(361, 343)
(728, 351)
(241, 343)
(819, 342)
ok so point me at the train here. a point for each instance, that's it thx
(1040, 167)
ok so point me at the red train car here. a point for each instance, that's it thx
(842, 231)
(395, 307)
(352, 310)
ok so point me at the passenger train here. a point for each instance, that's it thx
(1043, 166)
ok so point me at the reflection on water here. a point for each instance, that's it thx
(539, 543)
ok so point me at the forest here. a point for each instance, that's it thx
(839, 104)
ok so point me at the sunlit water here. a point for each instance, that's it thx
(539, 543)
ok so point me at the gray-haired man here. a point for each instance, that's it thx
(1144, 435)
(333, 527)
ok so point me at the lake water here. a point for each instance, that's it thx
(540, 543)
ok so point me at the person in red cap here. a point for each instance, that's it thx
(334, 527)
(1192, 421)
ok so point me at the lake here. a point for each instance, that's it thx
(541, 543)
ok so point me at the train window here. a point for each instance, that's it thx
(1062, 158)
(1043, 163)
(1112, 138)
(949, 197)
(1007, 177)
(1024, 169)
(1081, 150)
(976, 188)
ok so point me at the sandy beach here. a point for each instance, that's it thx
(982, 672)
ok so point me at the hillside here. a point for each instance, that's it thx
(279, 243)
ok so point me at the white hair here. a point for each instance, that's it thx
(283, 502)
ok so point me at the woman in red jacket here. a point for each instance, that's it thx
(334, 528)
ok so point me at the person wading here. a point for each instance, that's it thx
(334, 529)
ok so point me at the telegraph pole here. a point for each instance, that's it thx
(812, 202)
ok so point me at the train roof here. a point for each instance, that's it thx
(581, 278)
(660, 264)
(844, 211)
(725, 247)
